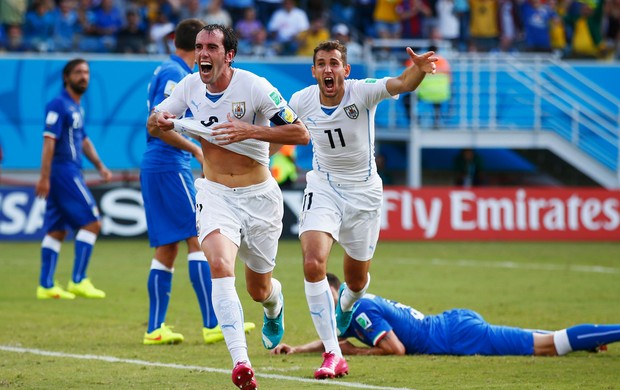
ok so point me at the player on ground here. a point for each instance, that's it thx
(392, 328)
(69, 202)
(169, 202)
(240, 205)
(342, 199)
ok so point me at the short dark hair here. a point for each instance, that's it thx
(329, 46)
(68, 68)
(185, 34)
(333, 281)
(230, 36)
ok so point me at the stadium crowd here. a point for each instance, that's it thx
(570, 28)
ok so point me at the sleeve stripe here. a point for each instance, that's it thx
(379, 337)
(49, 134)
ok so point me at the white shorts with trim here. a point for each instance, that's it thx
(350, 212)
(251, 217)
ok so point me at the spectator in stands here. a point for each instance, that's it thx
(557, 30)
(266, 8)
(217, 15)
(342, 11)
(436, 90)
(161, 35)
(448, 24)
(413, 14)
(585, 18)
(15, 39)
(66, 26)
(484, 27)
(309, 39)
(285, 24)
(461, 10)
(387, 17)
(468, 168)
(537, 21)
(132, 38)
(363, 20)
(355, 51)
(509, 25)
(100, 25)
(192, 9)
(612, 32)
(39, 26)
(236, 9)
(252, 34)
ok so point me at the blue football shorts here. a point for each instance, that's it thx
(170, 206)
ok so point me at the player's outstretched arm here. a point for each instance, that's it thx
(413, 75)
(285, 349)
(390, 344)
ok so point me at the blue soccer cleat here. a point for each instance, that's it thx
(273, 328)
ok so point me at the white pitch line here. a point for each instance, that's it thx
(112, 359)
(511, 265)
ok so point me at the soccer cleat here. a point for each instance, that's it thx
(85, 289)
(162, 335)
(243, 376)
(332, 367)
(273, 328)
(343, 318)
(214, 335)
(55, 292)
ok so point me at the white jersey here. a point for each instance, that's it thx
(249, 98)
(343, 137)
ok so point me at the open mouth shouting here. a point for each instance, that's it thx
(205, 67)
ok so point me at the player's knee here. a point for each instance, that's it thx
(314, 268)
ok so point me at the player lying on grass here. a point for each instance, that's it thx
(392, 328)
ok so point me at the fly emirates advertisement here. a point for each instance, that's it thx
(442, 213)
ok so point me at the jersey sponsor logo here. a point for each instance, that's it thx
(287, 115)
(352, 111)
(363, 321)
(238, 109)
(51, 118)
(370, 81)
(276, 98)
(169, 87)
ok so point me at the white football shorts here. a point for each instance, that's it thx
(350, 212)
(251, 217)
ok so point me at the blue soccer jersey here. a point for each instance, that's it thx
(69, 201)
(453, 332)
(160, 156)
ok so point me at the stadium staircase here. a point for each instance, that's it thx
(499, 100)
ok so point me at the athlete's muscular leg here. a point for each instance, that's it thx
(221, 253)
(315, 248)
(93, 227)
(355, 273)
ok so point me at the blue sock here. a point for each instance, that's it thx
(49, 258)
(200, 276)
(84, 242)
(588, 336)
(159, 287)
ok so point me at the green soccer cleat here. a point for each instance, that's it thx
(55, 292)
(85, 289)
(162, 335)
(214, 335)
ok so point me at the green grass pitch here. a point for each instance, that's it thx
(97, 344)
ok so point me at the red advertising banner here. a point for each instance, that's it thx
(500, 214)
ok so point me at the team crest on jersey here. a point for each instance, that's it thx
(352, 111)
(363, 321)
(238, 109)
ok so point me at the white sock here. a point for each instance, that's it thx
(560, 339)
(349, 297)
(196, 256)
(321, 305)
(156, 264)
(229, 313)
(272, 305)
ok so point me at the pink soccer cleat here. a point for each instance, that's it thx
(243, 376)
(332, 367)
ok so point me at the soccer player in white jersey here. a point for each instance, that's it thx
(342, 199)
(239, 203)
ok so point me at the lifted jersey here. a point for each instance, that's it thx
(343, 137)
(249, 98)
